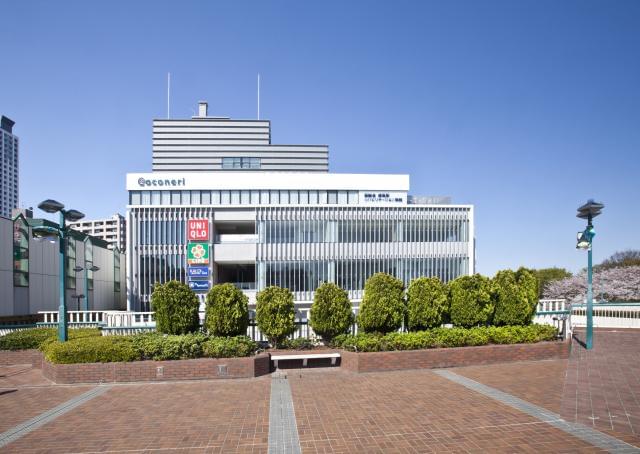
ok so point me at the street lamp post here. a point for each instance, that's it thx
(52, 206)
(589, 211)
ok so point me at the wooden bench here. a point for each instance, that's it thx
(305, 357)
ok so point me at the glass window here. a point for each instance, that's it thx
(255, 197)
(284, 197)
(215, 197)
(71, 263)
(322, 197)
(264, 197)
(293, 197)
(134, 198)
(313, 197)
(275, 197)
(195, 197)
(332, 197)
(146, 198)
(353, 197)
(225, 198)
(304, 197)
(244, 198)
(166, 197)
(116, 270)
(88, 262)
(235, 197)
(205, 198)
(342, 197)
(175, 197)
(20, 253)
(155, 197)
(186, 197)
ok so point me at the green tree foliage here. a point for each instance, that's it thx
(471, 302)
(546, 275)
(227, 312)
(331, 311)
(515, 296)
(176, 308)
(427, 303)
(275, 313)
(630, 257)
(383, 308)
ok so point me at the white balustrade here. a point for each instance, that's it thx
(618, 315)
(123, 319)
(75, 317)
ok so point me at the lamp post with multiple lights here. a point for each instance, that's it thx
(77, 269)
(52, 206)
(589, 211)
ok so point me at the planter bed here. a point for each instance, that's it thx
(140, 371)
(452, 357)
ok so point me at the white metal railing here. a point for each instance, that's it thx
(75, 317)
(236, 238)
(551, 305)
(122, 319)
(618, 315)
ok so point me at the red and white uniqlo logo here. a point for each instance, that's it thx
(198, 229)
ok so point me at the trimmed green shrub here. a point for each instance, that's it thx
(229, 347)
(37, 337)
(103, 349)
(513, 296)
(227, 312)
(383, 308)
(331, 312)
(161, 347)
(530, 287)
(445, 337)
(176, 308)
(427, 303)
(471, 302)
(301, 343)
(275, 314)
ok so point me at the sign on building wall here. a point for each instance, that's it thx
(199, 285)
(383, 197)
(198, 253)
(198, 271)
(198, 230)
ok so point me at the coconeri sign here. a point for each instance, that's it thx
(173, 182)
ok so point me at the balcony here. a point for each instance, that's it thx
(231, 238)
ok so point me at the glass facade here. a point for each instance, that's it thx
(88, 262)
(243, 197)
(20, 253)
(299, 247)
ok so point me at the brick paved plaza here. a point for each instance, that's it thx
(337, 411)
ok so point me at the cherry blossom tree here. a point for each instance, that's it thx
(613, 284)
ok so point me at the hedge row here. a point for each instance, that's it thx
(35, 338)
(445, 337)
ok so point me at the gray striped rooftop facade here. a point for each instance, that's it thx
(209, 144)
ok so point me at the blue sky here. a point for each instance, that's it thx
(524, 109)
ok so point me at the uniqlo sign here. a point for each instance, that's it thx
(198, 230)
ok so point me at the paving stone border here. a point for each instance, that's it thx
(452, 357)
(140, 371)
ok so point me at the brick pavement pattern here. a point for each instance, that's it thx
(602, 385)
(412, 411)
(211, 416)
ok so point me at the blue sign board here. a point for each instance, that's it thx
(199, 285)
(198, 271)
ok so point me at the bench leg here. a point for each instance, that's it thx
(304, 362)
(275, 361)
(333, 361)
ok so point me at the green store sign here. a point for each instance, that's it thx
(198, 253)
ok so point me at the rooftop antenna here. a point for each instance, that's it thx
(258, 96)
(168, 96)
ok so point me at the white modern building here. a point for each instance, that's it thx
(111, 230)
(282, 219)
(8, 167)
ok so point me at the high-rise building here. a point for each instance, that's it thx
(224, 205)
(8, 167)
(111, 230)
